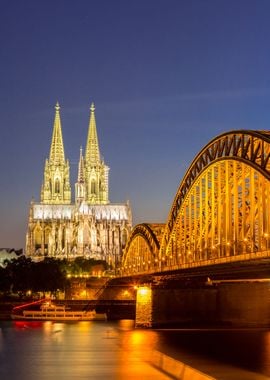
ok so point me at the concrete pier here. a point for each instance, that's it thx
(235, 303)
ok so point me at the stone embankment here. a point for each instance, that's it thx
(176, 369)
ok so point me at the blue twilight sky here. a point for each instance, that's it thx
(166, 76)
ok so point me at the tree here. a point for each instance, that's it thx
(5, 280)
(48, 276)
(19, 271)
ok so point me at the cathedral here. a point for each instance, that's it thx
(90, 226)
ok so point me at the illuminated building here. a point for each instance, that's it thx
(90, 226)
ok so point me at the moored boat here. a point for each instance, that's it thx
(51, 312)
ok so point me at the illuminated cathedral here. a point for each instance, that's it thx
(90, 226)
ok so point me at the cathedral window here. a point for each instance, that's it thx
(57, 186)
(63, 237)
(93, 187)
(124, 238)
(38, 236)
(46, 236)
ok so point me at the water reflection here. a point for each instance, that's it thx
(243, 348)
(126, 324)
(1, 339)
(27, 325)
(266, 354)
(138, 340)
(84, 350)
(93, 350)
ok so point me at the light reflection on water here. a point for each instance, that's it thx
(83, 350)
(93, 350)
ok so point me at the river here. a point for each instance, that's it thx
(117, 351)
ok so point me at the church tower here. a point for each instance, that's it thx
(56, 185)
(80, 184)
(88, 226)
(96, 172)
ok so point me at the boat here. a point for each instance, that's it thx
(51, 312)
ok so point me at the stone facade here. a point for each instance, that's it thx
(90, 226)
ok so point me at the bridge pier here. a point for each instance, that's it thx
(221, 303)
(144, 306)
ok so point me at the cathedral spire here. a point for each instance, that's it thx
(92, 154)
(80, 185)
(81, 177)
(56, 185)
(96, 172)
(57, 154)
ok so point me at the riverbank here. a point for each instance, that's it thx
(6, 308)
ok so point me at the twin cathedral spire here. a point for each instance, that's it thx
(92, 183)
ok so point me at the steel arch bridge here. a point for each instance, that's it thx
(141, 253)
(220, 213)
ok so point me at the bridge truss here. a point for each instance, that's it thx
(142, 250)
(221, 211)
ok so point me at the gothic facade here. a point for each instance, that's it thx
(89, 226)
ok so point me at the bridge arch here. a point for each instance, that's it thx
(250, 147)
(141, 253)
(221, 210)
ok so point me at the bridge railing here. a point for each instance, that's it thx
(163, 267)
